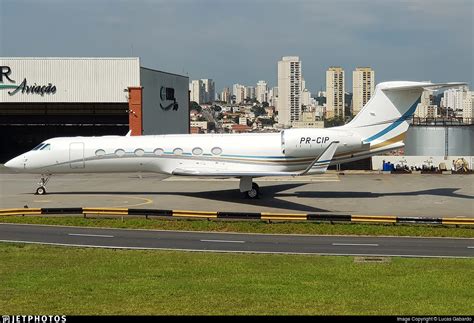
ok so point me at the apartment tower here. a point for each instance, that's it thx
(262, 91)
(335, 92)
(289, 90)
(197, 91)
(363, 85)
(209, 90)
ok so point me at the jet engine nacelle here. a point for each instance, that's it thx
(312, 142)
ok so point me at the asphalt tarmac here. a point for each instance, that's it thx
(237, 242)
(368, 193)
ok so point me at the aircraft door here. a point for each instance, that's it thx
(76, 155)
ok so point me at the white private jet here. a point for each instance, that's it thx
(380, 126)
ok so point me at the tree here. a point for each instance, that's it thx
(267, 122)
(258, 110)
(334, 122)
(216, 108)
(195, 106)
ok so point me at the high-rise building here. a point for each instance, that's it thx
(335, 92)
(249, 92)
(363, 85)
(306, 98)
(426, 108)
(262, 91)
(453, 98)
(289, 90)
(209, 90)
(238, 91)
(197, 91)
(273, 96)
(225, 95)
(468, 108)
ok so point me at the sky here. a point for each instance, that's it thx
(240, 41)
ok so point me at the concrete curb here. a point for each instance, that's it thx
(318, 217)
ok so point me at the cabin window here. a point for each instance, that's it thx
(178, 151)
(46, 147)
(120, 152)
(216, 151)
(139, 152)
(197, 151)
(158, 152)
(100, 152)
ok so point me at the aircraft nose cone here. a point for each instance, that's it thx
(15, 163)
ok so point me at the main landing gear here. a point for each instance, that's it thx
(41, 190)
(251, 190)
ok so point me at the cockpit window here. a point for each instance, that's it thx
(46, 147)
(39, 146)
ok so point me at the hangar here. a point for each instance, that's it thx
(45, 97)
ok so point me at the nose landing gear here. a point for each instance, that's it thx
(41, 190)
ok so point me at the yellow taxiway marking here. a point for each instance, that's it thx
(125, 203)
(123, 198)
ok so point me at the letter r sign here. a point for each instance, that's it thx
(5, 71)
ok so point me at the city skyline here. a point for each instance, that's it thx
(238, 42)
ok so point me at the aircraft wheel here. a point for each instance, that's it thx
(40, 190)
(254, 192)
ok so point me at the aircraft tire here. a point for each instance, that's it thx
(40, 190)
(254, 192)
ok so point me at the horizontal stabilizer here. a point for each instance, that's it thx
(420, 85)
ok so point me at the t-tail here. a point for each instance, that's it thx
(383, 121)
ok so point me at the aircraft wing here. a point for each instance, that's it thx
(318, 165)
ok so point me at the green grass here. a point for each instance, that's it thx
(251, 226)
(47, 279)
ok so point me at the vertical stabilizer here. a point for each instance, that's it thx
(384, 119)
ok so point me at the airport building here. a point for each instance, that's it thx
(41, 98)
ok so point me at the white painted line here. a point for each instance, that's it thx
(356, 244)
(232, 251)
(229, 233)
(234, 241)
(90, 235)
(470, 247)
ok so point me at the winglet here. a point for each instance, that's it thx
(128, 133)
(320, 164)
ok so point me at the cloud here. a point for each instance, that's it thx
(241, 41)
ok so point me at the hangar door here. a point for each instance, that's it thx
(76, 154)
